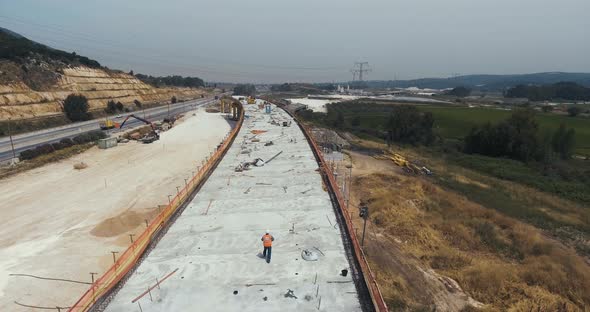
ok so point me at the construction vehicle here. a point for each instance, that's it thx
(406, 165)
(148, 138)
(107, 124)
(251, 100)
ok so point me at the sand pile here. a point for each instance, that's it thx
(124, 222)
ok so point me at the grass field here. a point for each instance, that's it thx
(455, 122)
(567, 179)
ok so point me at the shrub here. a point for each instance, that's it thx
(44, 149)
(76, 107)
(67, 142)
(82, 138)
(57, 146)
(96, 135)
(90, 136)
(111, 107)
(28, 154)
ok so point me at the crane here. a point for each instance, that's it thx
(138, 118)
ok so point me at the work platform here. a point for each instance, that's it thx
(215, 243)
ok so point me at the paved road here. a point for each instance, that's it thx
(31, 139)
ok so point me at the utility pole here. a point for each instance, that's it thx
(363, 213)
(11, 142)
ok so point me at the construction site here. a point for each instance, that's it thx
(91, 204)
(268, 179)
(143, 245)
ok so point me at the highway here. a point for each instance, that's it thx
(28, 140)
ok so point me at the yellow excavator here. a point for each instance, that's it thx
(108, 124)
(406, 165)
(251, 100)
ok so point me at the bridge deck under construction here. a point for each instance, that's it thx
(215, 243)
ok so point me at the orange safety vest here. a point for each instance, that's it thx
(267, 240)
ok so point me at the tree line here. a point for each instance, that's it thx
(562, 90)
(405, 123)
(519, 138)
(175, 81)
(245, 89)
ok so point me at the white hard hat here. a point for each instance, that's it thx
(267, 231)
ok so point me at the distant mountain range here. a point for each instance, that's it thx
(485, 82)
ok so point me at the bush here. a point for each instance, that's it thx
(111, 107)
(57, 146)
(89, 137)
(28, 154)
(67, 142)
(82, 138)
(96, 135)
(44, 149)
(173, 100)
(76, 107)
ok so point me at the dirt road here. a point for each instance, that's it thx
(59, 222)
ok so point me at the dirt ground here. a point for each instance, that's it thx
(59, 222)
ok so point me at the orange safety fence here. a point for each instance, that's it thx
(133, 253)
(374, 291)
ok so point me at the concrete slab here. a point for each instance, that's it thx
(216, 241)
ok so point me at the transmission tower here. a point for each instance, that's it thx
(360, 68)
(354, 72)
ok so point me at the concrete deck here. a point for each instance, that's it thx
(216, 240)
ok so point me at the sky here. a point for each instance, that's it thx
(276, 41)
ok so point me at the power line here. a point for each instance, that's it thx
(78, 36)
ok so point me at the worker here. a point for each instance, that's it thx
(267, 240)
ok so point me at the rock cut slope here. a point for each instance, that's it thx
(18, 100)
(35, 79)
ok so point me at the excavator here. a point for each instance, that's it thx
(148, 138)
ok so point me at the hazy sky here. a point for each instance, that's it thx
(313, 40)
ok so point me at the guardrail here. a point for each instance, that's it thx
(122, 266)
(368, 276)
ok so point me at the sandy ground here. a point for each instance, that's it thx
(215, 242)
(63, 223)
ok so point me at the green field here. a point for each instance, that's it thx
(455, 122)
(452, 122)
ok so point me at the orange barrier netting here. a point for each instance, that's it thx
(373, 287)
(131, 255)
